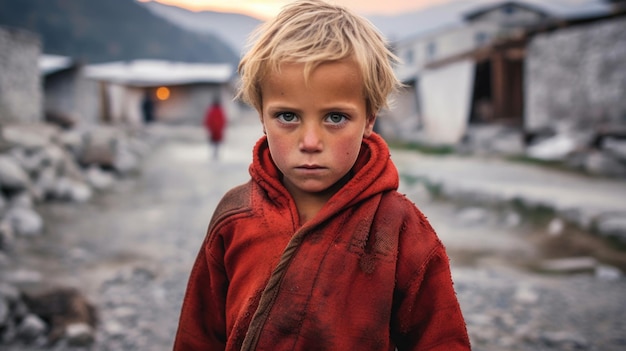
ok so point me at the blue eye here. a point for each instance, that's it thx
(335, 118)
(286, 116)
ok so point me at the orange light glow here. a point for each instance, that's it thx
(163, 93)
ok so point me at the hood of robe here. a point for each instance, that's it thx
(372, 173)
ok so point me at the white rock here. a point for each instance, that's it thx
(556, 227)
(608, 273)
(12, 176)
(79, 334)
(24, 221)
(31, 327)
(555, 148)
(569, 265)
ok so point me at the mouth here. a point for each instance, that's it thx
(310, 167)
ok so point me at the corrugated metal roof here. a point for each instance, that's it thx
(145, 73)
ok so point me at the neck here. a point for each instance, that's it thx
(309, 204)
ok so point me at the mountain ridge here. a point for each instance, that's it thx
(234, 28)
(111, 30)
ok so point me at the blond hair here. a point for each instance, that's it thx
(313, 32)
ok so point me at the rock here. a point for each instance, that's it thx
(598, 163)
(512, 219)
(53, 155)
(12, 176)
(7, 234)
(71, 190)
(613, 226)
(555, 148)
(72, 140)
(126, 162)
(3, 203)
(24, 276)
(569, 265)
(31, 328)
(608, 273)
(30, 136)
(44, 183)
(24, 221)
(556, 227)
(10, 293)
(29, 161)
(526, 295)
(69, 312)
(99, 147)
(114, 328)
(98, 178)
(615, 147)
(79, 334)
(473, 215)
(4, 311)
(22, 200)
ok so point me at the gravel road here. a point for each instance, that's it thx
(131, 249)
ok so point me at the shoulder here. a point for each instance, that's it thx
(398, 205)
(235, 201)
(414, 227)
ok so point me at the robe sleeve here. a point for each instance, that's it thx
(427, 315)
(202, 324)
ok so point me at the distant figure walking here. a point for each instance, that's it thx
(147, 107)
(215, 123)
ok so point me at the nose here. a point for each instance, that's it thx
(311, 138)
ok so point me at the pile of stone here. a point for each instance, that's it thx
(62, 316)
(41, 162)
(577, 147)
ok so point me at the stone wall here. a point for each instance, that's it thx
(69, 94)
(20, 81)
(577, 77)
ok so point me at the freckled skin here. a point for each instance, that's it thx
(315, 128)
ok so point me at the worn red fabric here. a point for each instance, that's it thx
(215, 122)
(367, 273)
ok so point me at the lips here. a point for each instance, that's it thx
(310, 167)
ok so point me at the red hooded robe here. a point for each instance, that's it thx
(215, 122)
(366, 273)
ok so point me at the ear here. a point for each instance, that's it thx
(262, 123)
(369, 126)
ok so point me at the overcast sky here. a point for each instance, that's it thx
(268, 8)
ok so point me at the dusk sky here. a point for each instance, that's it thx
(268, 8)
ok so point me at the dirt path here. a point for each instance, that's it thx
(131, 251)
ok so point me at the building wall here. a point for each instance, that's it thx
(186, 104)
(20, 81)
(446, 97)
(510, 15)
(69, 93)
(416, 53)
(403, 120)
(577, 76)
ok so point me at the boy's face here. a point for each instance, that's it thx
(315, 130)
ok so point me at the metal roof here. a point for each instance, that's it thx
(147, 73)
(49, 64)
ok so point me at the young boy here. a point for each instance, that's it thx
(318, 251)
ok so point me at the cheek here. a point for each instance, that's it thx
(278, 149)
(351, 149)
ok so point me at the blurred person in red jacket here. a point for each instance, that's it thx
(215, 123)
(319, 250)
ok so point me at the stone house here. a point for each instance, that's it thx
(181, 91)
(20, 81)
(474, 74)
(69, 97)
